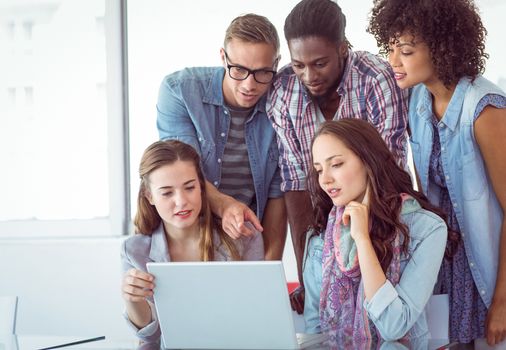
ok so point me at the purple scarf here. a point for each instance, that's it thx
(342, 314)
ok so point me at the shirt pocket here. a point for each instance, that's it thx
(315, 252)
(472, 169)
(273, 152)
(206, 149)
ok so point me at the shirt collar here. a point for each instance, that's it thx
(159, 251)
(341, 88)
(409, 206)
(453, 111)
(214, 90)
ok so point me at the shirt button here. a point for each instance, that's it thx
(483, 291)
(222, 134)
(471, 264)
(447, 177)
(200, 138)
(442, 148)
(219, 160)
(215, 183)
(441, 126)
(455, 205)
(226, 112)
(462, 234)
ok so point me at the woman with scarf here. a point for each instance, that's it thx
(370, 273)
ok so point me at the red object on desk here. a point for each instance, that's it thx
(292, 286)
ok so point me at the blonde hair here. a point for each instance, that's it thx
(147, 219)
(252, 28)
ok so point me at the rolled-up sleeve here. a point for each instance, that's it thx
(394, 310)
(291, 161)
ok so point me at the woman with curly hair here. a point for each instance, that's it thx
(371, 274)
(457, 120)
(173, 223)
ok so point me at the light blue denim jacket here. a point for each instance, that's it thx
(478, 211)
(191, 109)
(394, 310)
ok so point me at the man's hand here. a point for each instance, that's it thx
(297, 299)
(233, 213)
(234, 216)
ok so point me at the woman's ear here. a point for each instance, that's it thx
(147, 194)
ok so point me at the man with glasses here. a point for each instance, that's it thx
(220, 111)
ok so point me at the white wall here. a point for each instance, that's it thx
(72, 286)
(65, 287)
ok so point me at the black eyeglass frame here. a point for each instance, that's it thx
(250, 71)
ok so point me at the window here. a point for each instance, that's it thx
(62, 147)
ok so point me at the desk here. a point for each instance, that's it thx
(33, 342)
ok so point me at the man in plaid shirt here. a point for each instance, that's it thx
(326, 80)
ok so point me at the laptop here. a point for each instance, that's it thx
(225, 305)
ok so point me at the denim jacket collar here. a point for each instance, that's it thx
(452, 114)
(214, 92)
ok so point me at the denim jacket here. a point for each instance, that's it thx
(478, 211)
(394, 310)
(191, 109)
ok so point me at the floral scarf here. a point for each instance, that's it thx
(342, 314)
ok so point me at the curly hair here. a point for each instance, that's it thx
(387, 180)
(452, 30)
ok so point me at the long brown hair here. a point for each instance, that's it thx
(147, 219)
(387, 180)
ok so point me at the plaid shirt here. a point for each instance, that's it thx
(368, 91)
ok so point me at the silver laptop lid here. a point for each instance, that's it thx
(223, 305)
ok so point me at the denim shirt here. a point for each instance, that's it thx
(394, 310)
(478, 211)
(191, 109)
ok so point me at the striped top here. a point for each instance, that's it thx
(236, 178)
(367, 90)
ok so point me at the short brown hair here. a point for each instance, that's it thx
(252, 28)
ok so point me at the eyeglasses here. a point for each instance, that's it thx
(262, 76)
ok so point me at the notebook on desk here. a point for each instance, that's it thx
(225, 305)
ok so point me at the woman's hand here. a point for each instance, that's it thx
(495, 327)
(137, 285)
(357, 216)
